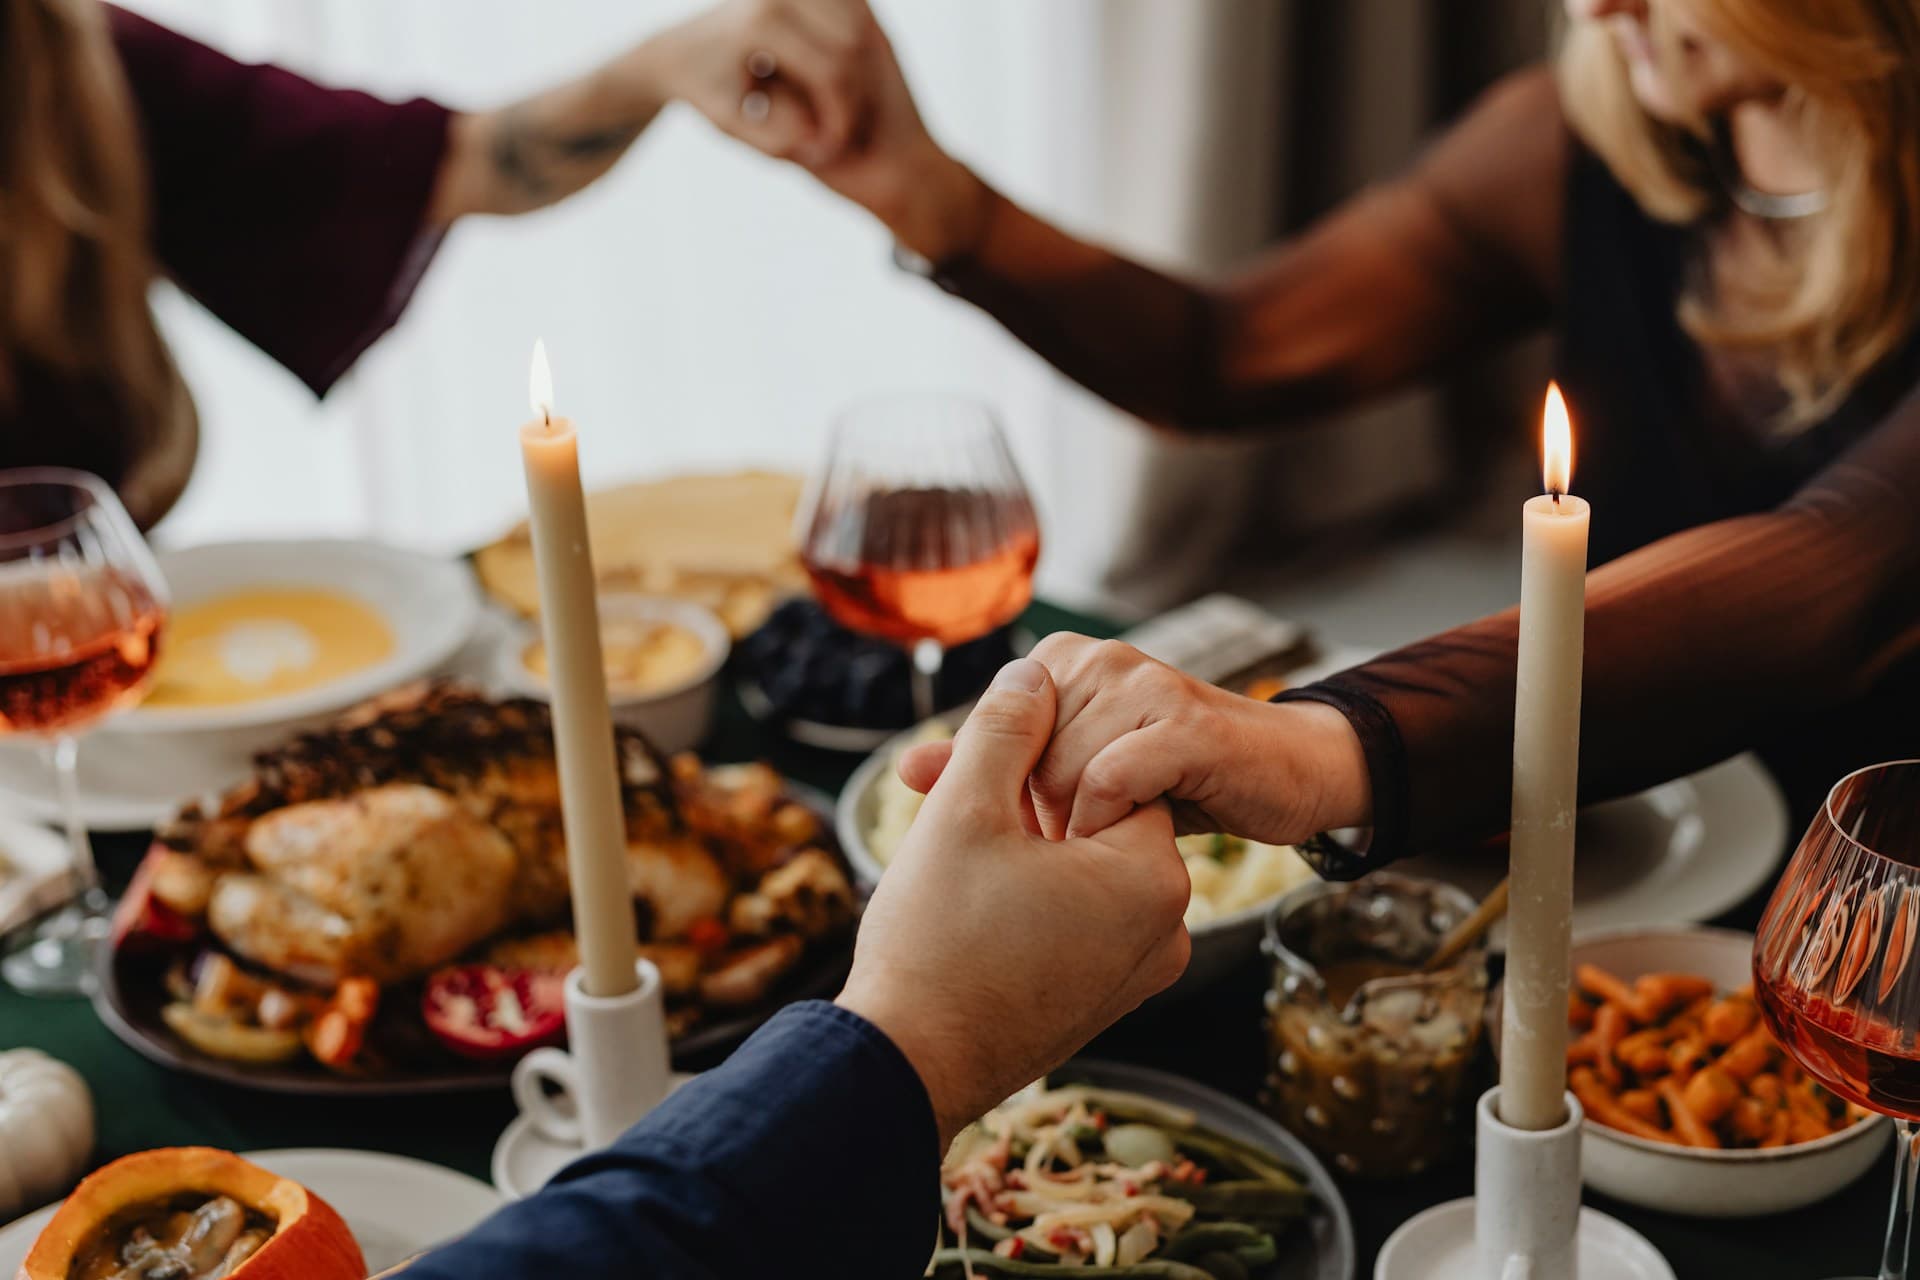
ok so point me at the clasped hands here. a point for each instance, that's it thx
(1039, 896)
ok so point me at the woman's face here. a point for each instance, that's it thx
(1680, 73)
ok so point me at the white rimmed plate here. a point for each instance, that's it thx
(1675, 854)
(429, 603)
(36, 874)
(395, 1206)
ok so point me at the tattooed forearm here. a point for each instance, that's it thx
(545, 148)
(538, 162)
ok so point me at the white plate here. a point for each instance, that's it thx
(429, 603)
(37, 874)
(395, 1206)
(135, 781)
(1680, 853)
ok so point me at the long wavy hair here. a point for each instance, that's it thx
(1848, 293)
(75, 262)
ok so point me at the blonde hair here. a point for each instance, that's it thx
(74, 256)
(1850, 292)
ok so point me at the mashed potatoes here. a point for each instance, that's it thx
(1229, 874)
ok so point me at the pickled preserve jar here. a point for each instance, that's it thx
(1371, 1062)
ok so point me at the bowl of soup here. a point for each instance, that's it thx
(265, 635)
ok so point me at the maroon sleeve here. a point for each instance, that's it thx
(294, 212)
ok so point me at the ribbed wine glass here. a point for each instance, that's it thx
(81, 606)
(1833, 963)
(918, 529)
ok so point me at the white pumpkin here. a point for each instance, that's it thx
(46, 1129)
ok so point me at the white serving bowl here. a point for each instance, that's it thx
(1218, 945)
(1707, 1184)
(429, 603)
(674, 718)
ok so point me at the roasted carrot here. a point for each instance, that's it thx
(1685, 1056)
(1644, 1103)
(1603, 1108)
(1751, 1119)
(1579, 1012)
(1644, 1052)
(1782, 1127)
(1689, 1127)
(1711, 1094)
(1804, 1128)
(1750, 1055)
(1604, 987)
(1725, 1021)
(1610, 1027)
(1767, 1087)
(1657, 993)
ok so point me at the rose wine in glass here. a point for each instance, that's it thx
(919, 529)
(81, 609)
(1834, 970)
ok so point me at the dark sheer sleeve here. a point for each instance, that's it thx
(1460, 252)
(1698, 646)
(294, 212)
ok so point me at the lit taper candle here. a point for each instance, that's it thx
(590, 803)
(1546, 778)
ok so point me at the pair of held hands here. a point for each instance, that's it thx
(1038, 896)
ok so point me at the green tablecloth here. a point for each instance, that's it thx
(1216, 1038)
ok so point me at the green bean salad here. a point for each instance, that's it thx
(1102, 1183)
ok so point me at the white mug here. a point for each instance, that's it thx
(616, 1067)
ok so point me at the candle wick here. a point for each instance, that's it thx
(1556, 496)
(546, 420)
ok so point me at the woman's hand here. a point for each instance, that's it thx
(816, 82)
(990, 955)
(1129, 731)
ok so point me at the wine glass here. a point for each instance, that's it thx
(81, 604)
(919, 530)
(1833, 963)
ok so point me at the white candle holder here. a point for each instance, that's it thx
(615, 1069)
(1524, 1220)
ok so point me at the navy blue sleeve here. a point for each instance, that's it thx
(811, 1151)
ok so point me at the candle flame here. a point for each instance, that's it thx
(540, 382)
(1556, 443)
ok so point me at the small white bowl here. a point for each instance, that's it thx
(675, 717)
(1218, 945)
(430, 603)
(1685, 1180)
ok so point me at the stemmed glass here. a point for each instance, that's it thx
(1832, 965)
(81, 605)
(919, 530)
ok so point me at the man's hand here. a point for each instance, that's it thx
(1129, 731)
(989, 954)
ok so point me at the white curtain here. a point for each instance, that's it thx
(706, 308)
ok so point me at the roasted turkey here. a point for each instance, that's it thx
(427, 823)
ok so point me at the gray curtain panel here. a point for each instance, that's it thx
(1225, 125)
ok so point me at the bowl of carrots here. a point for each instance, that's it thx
(1691, 1105)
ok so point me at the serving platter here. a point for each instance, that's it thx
(131, 991)
(395, 1206)
(1323, 1248)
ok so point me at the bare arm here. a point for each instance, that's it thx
(541, 150)
(535, 152)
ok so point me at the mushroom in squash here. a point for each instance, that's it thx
(192, 1213)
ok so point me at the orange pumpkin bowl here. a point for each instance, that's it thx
(309, 1241)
